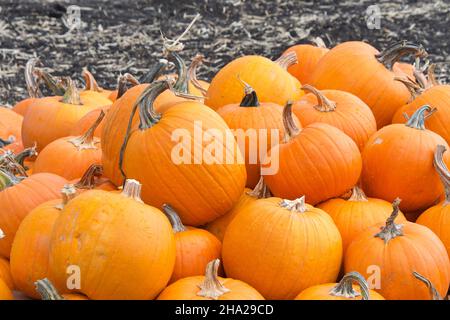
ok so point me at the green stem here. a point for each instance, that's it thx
(182, 83)
(417, 120)
(47, 290)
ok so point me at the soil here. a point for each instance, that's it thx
(125, 36)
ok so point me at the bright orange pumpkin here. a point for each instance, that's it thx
(87, 121)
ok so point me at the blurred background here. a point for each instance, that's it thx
(113, 37)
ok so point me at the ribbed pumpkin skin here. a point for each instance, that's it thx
(21, 107)
(322, 292)
(437, 218)
(279, 252)
(87, 121)
(114, 129)
(29, 253)
(124, 249)
(352, 115)
(398, 162)
(219, 226)
(17, 201)
(48, 119)
(10, 124)
(352, 67)
(419, 249)
(353, 217)
(308, 56)
(5, 272)
(199, 193)
(266, 116)
(5, 292)
(438, 97)
(321, 162)
(270, 81)
(187, 289)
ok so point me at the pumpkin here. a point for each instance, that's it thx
(344, 290)
(195, 247)
(433, 292)
(437, 218)
(354, 215)
(308, 56)
(30, 249)
(5, 291)
(340, 109)
(51, 118)
(270, 79)
(209, 287)
(398, 162)
(19, 197)
(87, 121)
(10, 129)
(201, 187)
(397, 250)
(130, 244)
(93, 179)
(92, 85)
(281, 247)
(80, 152)
(47, 291)
(318, 161)
(257, 128)
(219, 226)
(5, 272)
(360, 69)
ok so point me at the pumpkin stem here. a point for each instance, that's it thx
(176, 45)
(87, 181)
(87, 140)
(154, 72)
(287, 59)
(30, 78)
(68, 192)
(26, 153)
(297, 205)
(442, 170)
(318, 42)
(290, 127)
(345, 287)
(433, 292)
(417, 120)
(325, 104)
(7, 179)
(47, 290)
(132, 189)
(211, 287)
(9, 163)
(358, 195)
(391, 230)
(192, 73)
(174, 218)
(413, 87)
(56, 85)
(123, 81)
(432, 80)
(393, 53)
(71, 96)
(2, 234)
(261, 190)
(250, 98)
(91, 83)
(182, 83)
(4, 143)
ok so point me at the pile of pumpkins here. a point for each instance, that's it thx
(93, 205)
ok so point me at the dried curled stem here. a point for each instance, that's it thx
(192, 73)
(391, 230)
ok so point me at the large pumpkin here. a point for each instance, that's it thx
(201, 182)
(119, 247)
(391, 252)
(209, 287)
(319, 161)
(270, 79)
(398, 162)
(340, 109)
(360, 69)
(281, 247)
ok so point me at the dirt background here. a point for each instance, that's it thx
(124, 36)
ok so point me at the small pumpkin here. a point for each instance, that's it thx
(5, 271)
(344, 290)
(47, 291)
(209, 287)
(318, 161)
(398, 162)
(398, 250)
(340, 109)
(281, 247)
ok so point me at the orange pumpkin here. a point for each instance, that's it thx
(5, 291)
(360, 69)
(5, 272)
(133, 257)
(318, 161)
(257, 128)
(209, 287)
(281, 247)
(30, 249)
(340, 109)
(47, 291)
(344, 290)
(195, 247)
(10, 129)
(391, 252)
(200, 188)
(356, 214)
(93, 179)
(398, 162)
(87, 121)
(270, 79)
